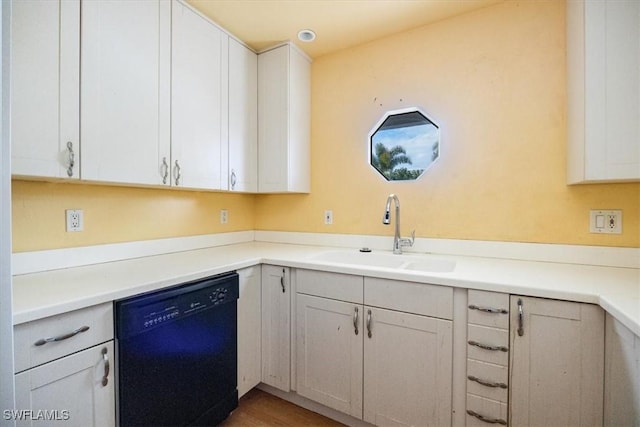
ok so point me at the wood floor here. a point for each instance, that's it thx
(260, 409)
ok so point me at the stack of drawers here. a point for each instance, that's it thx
(487, 358)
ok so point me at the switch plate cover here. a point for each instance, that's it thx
(605, 221)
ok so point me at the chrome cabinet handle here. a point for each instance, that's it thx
(72, 159)
(164, 170)
(105, 358)
(488, 309)
(369, 323)
(487, 383)
(355, 320)
(176, 173)
(486, 419)
(282, 281)
(43, 341)
(488, 347)
(520, 318)
(233, 180)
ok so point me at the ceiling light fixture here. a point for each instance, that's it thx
(306, 35)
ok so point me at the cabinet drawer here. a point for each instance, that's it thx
(493, 412)
(344, 287)
(487, 380)
(98, 319)
(489, 309)
(482, 336)
(410, 297)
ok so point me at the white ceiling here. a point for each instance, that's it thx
(338, 24)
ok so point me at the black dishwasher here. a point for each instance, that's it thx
(177, 354)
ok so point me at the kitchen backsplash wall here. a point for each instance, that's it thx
(119, 214)
(494, 80)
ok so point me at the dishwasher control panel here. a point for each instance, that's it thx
(151, 310)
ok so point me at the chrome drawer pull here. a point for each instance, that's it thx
(487, 383)
(486, 419)
(488, 310)
(43, 341)
(105, 378)
(489, 347)
(369, 323)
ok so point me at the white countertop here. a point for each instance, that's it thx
(43, 294)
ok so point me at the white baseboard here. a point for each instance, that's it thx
(33, 262)
(545, 252)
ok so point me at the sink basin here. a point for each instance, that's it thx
(372, 259)
(433, 265)
(425, 263)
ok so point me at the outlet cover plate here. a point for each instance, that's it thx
(75, 220)
(224, 216)
(605, 221)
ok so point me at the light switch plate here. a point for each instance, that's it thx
(605, 221)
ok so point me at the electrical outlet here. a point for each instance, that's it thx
(328, 217)
(224, 216)
(608, 222)
(75, 220)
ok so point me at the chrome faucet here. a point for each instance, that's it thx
(398, 242)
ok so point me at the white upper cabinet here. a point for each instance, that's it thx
(198, 101)
(284, 78)
(243, 118)
(125, 91)
(45, 101)
(603, 84)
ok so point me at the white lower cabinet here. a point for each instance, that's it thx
(76, 390)
(329, 352)
(407, 369)
(384, 366)
(276, 327)
(621, 375)
(249, 331)
(556, 363)
(64, 366)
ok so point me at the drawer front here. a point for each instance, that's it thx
(482, 336)
(410, 297)
(493, 412)
(343, 287)
(487, 380)
(98, 319)
(488, 309)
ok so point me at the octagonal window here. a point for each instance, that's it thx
(404, 144)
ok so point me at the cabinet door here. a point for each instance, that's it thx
(276, 327)
(71, 391)
(249, 320)
(243, 118)
(284, 125)
(407, 369)
(125, 105)
(329, 352)
(198, 100)
(557, 364)
(603, 59)
(622, 376)
(45, 88)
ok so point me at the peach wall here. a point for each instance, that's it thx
(119, 214)
(494, 80)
